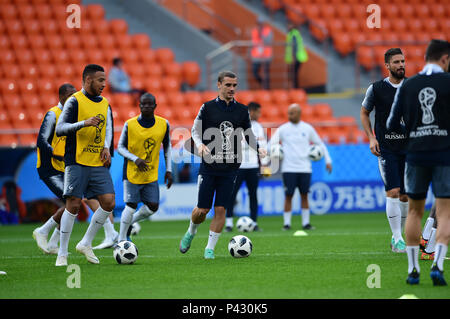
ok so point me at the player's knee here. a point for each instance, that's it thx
(152, 206)
(404, 198)
(108, 203)
(73, 204)
(393, 193)
(132, 205)
(202, 211)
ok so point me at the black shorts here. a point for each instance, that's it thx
(293, 180)
(392, 170)
(55, 183)
(219, 185)
(418, 179)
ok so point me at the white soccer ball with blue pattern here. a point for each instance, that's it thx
(245, 224)
(315, 153)
(240, 246)
(125, 252)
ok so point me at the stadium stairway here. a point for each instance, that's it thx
(165, 30)
(342, 96)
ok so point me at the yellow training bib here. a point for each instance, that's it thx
(58, 145)
(146, 144)
(90, 140)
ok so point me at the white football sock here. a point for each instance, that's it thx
(426, 233)
(287, 218)
(125, 222)
(212, 240)
(47, 227)
(110, 232)
(305, 216)
(229, 222)
(97, 221)
(404, 209)
(431, 242)
(143, 213)
(394, 215)
(66, 226)
(193, 228)
(439, 255)
(413, 258)
(54, 239)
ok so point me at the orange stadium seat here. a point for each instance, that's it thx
(323, 111)
(273, 5)
(209, 95)
(66, 70)
(193, 98)
(173, 69)
(77, 56)
(280, 97)
(191, 73)
(438, 11)
(26, 12)
(295, 14)
(27, 86)
(318, 29)
(406, 11)
(60, 56)
(9, 140)
(7, 57)
(135, 70)
(59, 12)
(29, 71)
(312, 11)
(124, 41)
(8, 11)
(5, 43)
(27, 139)
(95, 11)
(153, 85)
(422, 10)
(37, 42)
(164, 55)
(47, 86)
(129, 56)
(118, 26)
(327, 11)
(89, 41)
(50, 27)
(343, 43)
(297, 96)
(43, 12)
(359, 11)
(414, 24)
(146, 55)
(352, 25)
(335, 26)
(20, 42)
(344, 10)
(19, 118)
(141, 41)
(184, 114)
(246, 97)
(54, 42)
(50, 100)
(31, 102)
(444, 24)
(263, 97)
(123, 100)
(5, 121)
(165, 111)
(48, 71)
(154, 70)
(109, 55)
(176, 99)
(11, 71)
(170, 84)
(9, 87)
(107, 42)
(101, 27)
(24, 56)
(95, 56)
(430, 25)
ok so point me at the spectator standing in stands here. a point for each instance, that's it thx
(262, 52)
(295, 53)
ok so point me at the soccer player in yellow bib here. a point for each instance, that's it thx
(87, 123)
(139, 144)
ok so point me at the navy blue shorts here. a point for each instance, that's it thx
(293, 180)
(392, 170)
(220, 185)
(418, 179)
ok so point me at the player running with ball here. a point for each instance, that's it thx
(217, 134)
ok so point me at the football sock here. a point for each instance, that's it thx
(229, 222)
(125, 222)
(54, 239)
(404, 209)
(427, 228)
(287, 218)
(48, 226)
(305, 216)
(66, 226)
(143, 213)
(439, 255)
(431, 242)
(193, 228)
(212, 240)
(97, 221)
(109, 229)
(394, 215)
(413, 258)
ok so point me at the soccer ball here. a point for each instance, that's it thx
(276, 152)
(240, 246)
(125, 252)
(245, 224)
(135, 229)
(315, 153)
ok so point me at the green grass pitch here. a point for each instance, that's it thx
(331, 262)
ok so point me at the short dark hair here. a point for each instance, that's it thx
(436, 49)
(390, 53)
(117, 60)
(147, 95)
(226, 74)
(63, 89)
(253, 106)
(91, 69)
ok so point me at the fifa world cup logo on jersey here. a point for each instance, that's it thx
(99, 128)
(149, 145)
(226, 129)
(427, 97)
